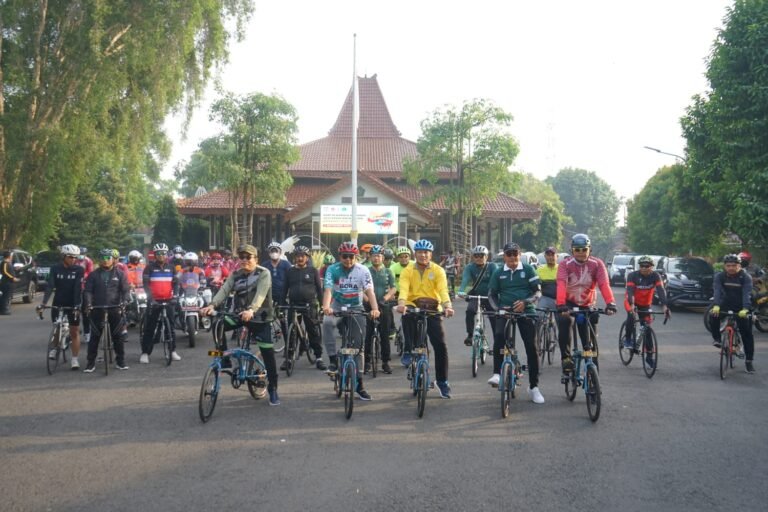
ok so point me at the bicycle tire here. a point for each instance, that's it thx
(626, 354)
(506, 386)
(399, 340)
(209, 393)
(217, 330)
(541, 342)
(142, 318)
(375, 350)
(166, 340)
(731, 345)
(348, 380)
(421, 389)
(105, 340)
(256, 387)
(650, 348)
(278, 337)
(337, 380)
(309, 350)
(570, 386)
(483, 349)
(593, 392)
(475, 356)
(291, 350)
(54, 344)
(724, 356)
(551, 342)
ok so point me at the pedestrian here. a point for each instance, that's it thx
(7, 278)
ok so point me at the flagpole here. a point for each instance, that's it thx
(355, 100)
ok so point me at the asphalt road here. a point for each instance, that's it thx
(684, 440)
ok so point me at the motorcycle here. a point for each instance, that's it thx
(188, 317)
(137, 309)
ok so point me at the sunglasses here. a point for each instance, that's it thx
(511, 253)
(580, 249)
(478, 255)
(106, 258)
(347, 256)
(646, 266)
(245, 256)
(161, 253)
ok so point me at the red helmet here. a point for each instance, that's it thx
(745, 257)
(215, 256)
(348, 248)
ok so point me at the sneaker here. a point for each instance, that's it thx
(386, 368)
(628, 343)
(444, 389)
(320, 364)
(284, 366)
(406, 359)
(494, 380)
(52, 354)
(99, 359)
(362, 394)
(468, 341)
(175, 356)
(649, 360)
(90, 368)
(749, 367)
(121, 366)
(716, 343)
(273, 398)
(144, 359)
(75, 364)
(535, 395)
(368, 368)
(567, 366)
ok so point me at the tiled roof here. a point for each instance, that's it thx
(374, 119)
(218, 202)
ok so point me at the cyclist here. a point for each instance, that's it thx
(191, 277)
(384, 289)
(732, 289)
(577, 278)
(424, 284)
(345, 284)
(119, 264)
(135, 270)
(389, 257)
(87, 263)
(515, 286)
(66, 278)
(641, 285)
(160, 283)
(216, 272)
(548, 277)
(303, 287)
(328, 260)
(449, 263)
(474, 281)
(177, 260)
(106, 286)
(278, 267)
(753, 270)
(403, 256)
(251, 284)
(365, 250)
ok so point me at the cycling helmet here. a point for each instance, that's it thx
(645, 260)
(348, 248)
(190, 259)
(83, 251)
(745, 258)
(366, 247)
(274, 245)
(376, 249)
(227, 252)
(178, 250)
(301, 249)
(160, 247)
(107, 253)
(215, 256)
(480, 249)
(115, 253)
(134, 256)
(388, 254)
(580, 240)
(329, 259)
(731, 258)
(423, 245)
(403, 250)
(70, 250)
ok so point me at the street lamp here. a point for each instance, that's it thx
(681, 158)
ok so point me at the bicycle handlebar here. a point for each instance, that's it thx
(425, 312)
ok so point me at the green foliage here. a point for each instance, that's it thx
(86, 86)
(548, 230)
(194, 234)
(168, 224)
(591, 203)
(727, 128)
(92, 221)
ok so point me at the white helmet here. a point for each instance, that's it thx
(480, 249)
(160, 246)
(275, 245)
(190, 259)
(70, 250)
(134, 256)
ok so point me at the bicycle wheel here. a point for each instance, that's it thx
(625, 354)
(570, 386)
(54, 347)
(291, 350)
(475, 355)
(731, 346)
(106, 346)
(507, 387)
(724, 355)
(483, 348)
(421, 389)
(593, 392)
(650, 353)
(551, 342)
(399, 340)
(209, 392)
(166, 334)
(375, 351)
(255, 378)
(337, 379)
(278, 337)
(348, 379)
(310, 352)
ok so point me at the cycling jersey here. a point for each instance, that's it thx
(640, 289)
(106, 288)
(430, 282)
(733, 292)
(348, 286)
(303, 285)
(576, 282)
(216, 275)
(508, 286)
(135, 274)
(67, 283)
(278, 272)
(160, 282)
(397, 269)
(548, 277)
(383, 280)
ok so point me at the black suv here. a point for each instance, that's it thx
(688, 280)
(24, 267)
(44, 260)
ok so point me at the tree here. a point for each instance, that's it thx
(727, 128)
(168, 224)
(591, 203)
(548, 230)
(86, 85)
(652, 213)
(92, 221)
(471, 143)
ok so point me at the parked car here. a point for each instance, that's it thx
(617, 267)
(44, 260)
(528, 257)
(24, 267)
(688, 280)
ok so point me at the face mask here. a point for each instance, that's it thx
(274, 256)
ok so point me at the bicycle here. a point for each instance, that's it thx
(584, 375)
(418, 371)
(730, 347)
(546, 335)
(59, 340)
(375, 347)
(480, 347)
(163, 329)
(511, 369)
(646, 336)
(245, 368)
(399, 340)
(278, 336)
(345, 377)
(105, 340)
(298, 339)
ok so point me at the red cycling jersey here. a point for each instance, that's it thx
(640, 290)
(576, 282)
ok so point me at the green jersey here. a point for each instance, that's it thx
(508, 286)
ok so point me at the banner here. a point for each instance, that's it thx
(371, 219)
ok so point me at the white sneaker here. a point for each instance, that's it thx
(144, 359)
(175, 356)
(536, 396)
(494, 380)
(52, 354)
(75, 364)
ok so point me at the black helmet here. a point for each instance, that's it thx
(301, 249)
(731, 258)
(580, 240)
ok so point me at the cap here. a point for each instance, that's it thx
(511, 246)
(247, 249)
(549, 250)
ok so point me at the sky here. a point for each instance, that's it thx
(589, 83)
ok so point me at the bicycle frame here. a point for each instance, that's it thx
(479, 340)
(250, 369)
(345, 378)
(59, 330)
(418, 371)
(729, 347)
(511, 369)
(585, 371)
(105, 340)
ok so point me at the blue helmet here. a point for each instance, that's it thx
(376, 249)
(423, 245)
